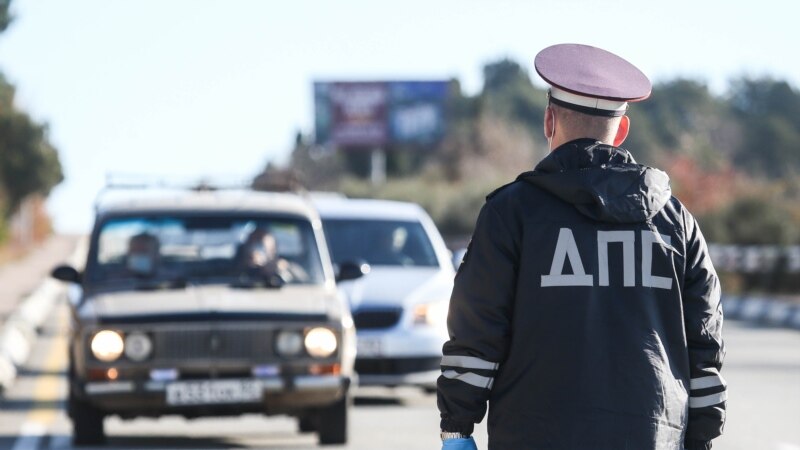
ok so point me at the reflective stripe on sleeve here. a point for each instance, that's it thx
(469, 378)
(468, 362)
(708, 400)
(707, 382)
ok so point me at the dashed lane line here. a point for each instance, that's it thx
(46, 391)
(30, 436)
(60, 442)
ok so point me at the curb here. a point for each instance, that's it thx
(19, 332)
(762, 310)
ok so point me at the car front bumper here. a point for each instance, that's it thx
(401, 356)
(425, 379)
(279, 395)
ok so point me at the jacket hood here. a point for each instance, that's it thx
(603, 182)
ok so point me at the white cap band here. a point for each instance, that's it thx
(588, 102)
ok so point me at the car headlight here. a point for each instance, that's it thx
(320, 342)
(138, 346)
(434, 314)
(289, 343)
(107, 345)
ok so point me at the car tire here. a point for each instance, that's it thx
(306, 424)
(332, 422)
(87, 421)
(87, 424)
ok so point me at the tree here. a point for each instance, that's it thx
(767, 110)
(509, 93)
(5, 16)
(29, 163)
(681, 117)
(720, 151)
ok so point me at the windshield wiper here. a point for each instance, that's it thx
(266, 281)
(160, 285)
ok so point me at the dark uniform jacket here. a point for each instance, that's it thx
(586, 312)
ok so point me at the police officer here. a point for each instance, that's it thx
(586, 311)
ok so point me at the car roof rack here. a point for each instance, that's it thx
(123, 181)
(272, 180)
(119, 183)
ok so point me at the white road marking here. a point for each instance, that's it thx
(30, 436)
(60, 442)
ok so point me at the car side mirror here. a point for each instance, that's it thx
(352, 270)
(66, 273)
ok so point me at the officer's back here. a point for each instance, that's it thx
(586, 311)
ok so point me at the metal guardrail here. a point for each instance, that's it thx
(755, 258)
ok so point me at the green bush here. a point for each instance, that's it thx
(756, 220)
(3, 220)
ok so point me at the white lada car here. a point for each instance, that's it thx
(400, 306)
(208, 303)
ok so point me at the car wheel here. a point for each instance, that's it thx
(87, 421)
(87, 424)
(332, 423)
(306, 424)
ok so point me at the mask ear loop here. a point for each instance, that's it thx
(553, 121)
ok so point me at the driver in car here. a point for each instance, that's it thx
(259, 256)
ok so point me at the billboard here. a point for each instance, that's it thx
(379, 113)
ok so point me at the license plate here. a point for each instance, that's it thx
(368, 346)
(213, 392)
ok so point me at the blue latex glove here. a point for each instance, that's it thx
(459, 444)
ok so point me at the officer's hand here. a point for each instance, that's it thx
(459, 444)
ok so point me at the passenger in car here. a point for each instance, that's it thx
(389, 246)
(259, 254)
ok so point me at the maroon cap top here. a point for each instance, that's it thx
(592, 72)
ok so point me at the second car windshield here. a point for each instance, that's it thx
(206, 248)
(379, 242)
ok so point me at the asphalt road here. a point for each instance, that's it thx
(762, 369)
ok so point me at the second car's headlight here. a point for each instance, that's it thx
(107, 345)
(434, 314)
(320, 342)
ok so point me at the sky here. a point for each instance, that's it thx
(190, 88)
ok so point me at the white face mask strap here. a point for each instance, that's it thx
(553, 129)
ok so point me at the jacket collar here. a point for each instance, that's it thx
(583, 153)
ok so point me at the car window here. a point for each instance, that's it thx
(205, 248)
(379, 242)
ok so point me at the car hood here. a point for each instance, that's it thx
(398, 287)
(215, 299)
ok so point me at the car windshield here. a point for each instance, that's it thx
(206, 248)
(379, 242)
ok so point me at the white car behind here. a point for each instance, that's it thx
(400, 307)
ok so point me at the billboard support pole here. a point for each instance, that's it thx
(378, 166)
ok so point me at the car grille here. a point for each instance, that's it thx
(241, 342)
(396, 366)
(374, 319)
